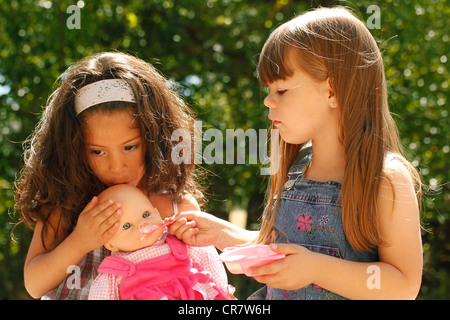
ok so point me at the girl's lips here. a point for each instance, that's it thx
(116, 182)
(275, 122)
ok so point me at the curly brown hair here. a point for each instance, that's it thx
(56, 174)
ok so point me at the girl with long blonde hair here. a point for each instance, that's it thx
(343, 204)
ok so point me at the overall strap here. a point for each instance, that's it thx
(178, 247)
(298, 169)
(117, 266)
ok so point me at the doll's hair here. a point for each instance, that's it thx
(56, 174)
(333, 44)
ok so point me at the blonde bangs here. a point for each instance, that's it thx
(274, 63)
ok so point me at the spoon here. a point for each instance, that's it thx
(153, 227)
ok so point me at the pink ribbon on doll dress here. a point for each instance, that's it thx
(170, 276)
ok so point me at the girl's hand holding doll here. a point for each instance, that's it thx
(97, 223)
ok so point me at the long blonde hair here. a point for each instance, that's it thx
(333, 44)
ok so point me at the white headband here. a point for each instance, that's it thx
(103, 91)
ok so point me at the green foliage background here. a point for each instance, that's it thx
(210, 49)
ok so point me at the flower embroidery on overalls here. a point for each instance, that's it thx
(324, 220)
(305, 224)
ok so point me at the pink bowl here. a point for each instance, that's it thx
(239, 259)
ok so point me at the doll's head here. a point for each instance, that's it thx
(137, 212)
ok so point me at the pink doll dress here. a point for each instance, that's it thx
(169, 276)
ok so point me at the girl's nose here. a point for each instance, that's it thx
(268, 102)
(116, 163)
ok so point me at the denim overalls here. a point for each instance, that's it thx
(309, 214)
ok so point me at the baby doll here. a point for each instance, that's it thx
(147, 263)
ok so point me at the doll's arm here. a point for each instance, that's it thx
(104, 287)
(208, 259)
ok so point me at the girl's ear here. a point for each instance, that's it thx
(331, 95)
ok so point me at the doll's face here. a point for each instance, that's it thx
(137, 212)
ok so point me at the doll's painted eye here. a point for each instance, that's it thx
(126, 226)
(146, 214)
